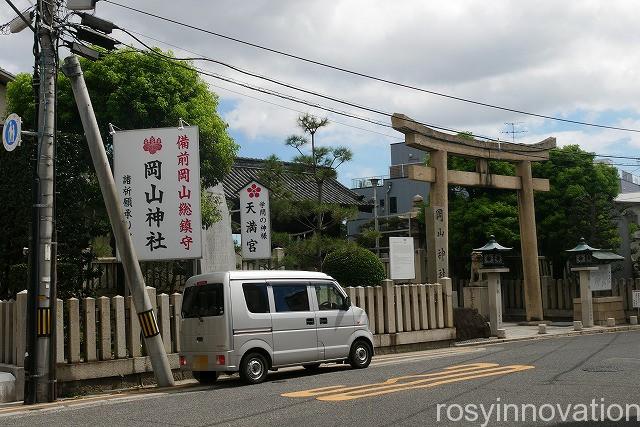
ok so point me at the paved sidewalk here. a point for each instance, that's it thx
(518, 332)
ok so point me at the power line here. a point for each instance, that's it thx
(528, 151)
(175, 61)
(371, 77)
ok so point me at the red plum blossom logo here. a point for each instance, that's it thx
(152, 145)
(254, 191)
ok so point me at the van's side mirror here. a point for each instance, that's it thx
(347, 303)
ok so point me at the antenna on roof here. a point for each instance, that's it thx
(513, 132)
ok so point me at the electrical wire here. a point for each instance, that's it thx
(529, 149)
(371, 77)
(176, 61)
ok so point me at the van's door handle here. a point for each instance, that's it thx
(310, 321)
(323, 321)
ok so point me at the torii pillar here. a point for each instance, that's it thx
(439, 145)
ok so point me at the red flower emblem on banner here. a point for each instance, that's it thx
(254, 191)
(152, 145)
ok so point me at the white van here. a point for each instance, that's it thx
(255, 321)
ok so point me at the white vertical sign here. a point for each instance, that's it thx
(157, 173)
(401, 258)
(442, 264)
(255, 221)
(635, 299)
(600, 280)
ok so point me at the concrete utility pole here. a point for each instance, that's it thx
(376, 227)
(146, 316)
(41, 386)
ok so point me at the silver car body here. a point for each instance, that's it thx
(226, 315)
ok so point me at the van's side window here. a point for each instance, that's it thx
(255, 294)
(291, 298)
(329, 298)
(203, 300)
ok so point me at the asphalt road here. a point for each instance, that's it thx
(597, 375)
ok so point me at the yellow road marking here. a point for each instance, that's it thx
(410, 382)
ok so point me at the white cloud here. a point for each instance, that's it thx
(548, 57)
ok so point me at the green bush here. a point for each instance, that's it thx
(354, 266)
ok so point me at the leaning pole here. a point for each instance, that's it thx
(135, 280)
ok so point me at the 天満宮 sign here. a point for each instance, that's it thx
(255, 221)
(157, 174)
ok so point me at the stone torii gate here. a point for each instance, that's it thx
(439, 145)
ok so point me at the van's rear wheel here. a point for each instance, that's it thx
(360, 354)
(253, 368)
(205, 377)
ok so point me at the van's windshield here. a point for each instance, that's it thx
(203, 301)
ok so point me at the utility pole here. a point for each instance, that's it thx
(376, 227)
(153, 341)
(40, 382)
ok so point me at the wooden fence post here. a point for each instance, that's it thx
(176, 302)
(105, 328)
(389, 307)
(73, 306)
(164, 321)
(120, 341)
(20, 327)
(371, 308)
(89, 332)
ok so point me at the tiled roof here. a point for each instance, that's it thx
(245, 170)
(5, 76)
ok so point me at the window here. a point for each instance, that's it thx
(393, 205)
(203, 301)
(291, 298)
(255, 294)
(329, 298)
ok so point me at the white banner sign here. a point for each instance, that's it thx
(255, 221)
(157, 173)
(601, 278)
(401, 258)
(636, 299)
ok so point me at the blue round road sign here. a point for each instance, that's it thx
(11, 132)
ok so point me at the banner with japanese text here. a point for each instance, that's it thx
(157, 174)
(255, 221)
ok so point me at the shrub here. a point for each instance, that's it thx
(354, 266)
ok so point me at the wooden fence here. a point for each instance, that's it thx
(558, 295)
(405, 308)
(106, 329)
(91, 329)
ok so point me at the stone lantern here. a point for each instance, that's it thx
(594, 266)
(492, 254)
(493, 265)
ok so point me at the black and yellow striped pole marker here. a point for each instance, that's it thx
(148, 323)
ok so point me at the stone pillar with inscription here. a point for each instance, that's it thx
(437, 220)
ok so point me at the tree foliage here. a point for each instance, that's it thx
(580, 203)
(129, 89)
(354, 266)
(317, 219)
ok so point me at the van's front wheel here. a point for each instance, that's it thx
(205, 377)
(360, 354)
(253, 368)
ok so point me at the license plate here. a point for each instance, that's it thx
(200, 362)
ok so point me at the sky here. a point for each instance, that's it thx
(570, 59)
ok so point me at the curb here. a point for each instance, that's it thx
(604, 330)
